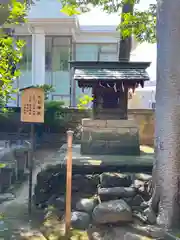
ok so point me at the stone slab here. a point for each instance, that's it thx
(96, 147)
(121, 123)
(105, 133)
(96, 163)
(110, 141)
(88, 122)
(110, 137)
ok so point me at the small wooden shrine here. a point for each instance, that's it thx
(110, 131)
(110, 83)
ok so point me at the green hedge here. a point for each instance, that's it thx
(57, 119)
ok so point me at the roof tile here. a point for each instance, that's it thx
(111, 74)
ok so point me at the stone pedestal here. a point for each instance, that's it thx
(110, 137)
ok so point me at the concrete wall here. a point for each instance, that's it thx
(145, 120)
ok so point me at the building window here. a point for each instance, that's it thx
(86, 52)
(60, 58)
(58, 53)
(26, 61)
(48, 61)
(96, 52)
(108, 52)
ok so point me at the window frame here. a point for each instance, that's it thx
(26, 62)
(50, 39)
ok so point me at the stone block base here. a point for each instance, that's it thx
(103, 137)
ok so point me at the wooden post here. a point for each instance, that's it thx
(68, 182)
(32, 111)
(31, 163)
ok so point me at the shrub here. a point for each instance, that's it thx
(52, 109)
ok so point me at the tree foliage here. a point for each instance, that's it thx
(10, 47)
(84, 101)
(47, 89)
(142, 23)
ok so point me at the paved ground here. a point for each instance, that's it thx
(15, 212)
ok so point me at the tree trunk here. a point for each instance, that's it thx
(125, 44)
(167, 128)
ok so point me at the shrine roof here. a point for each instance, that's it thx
(111, 71)
(111, 74)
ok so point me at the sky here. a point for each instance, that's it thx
(97, 17)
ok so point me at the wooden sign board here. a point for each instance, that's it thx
(32, 105)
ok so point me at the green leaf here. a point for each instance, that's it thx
(3, 165)
(70, 10)
(142, 24)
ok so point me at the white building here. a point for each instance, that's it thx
(53, 39)
(144, 98)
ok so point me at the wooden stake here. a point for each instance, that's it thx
(68, 182)
(31, 163)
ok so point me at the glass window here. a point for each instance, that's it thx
(48, 54)
(48, 61)
(61, 57)
(95, 52)
(86, 52)
(108, 52)
(57, 53)
(61, 41)
(26, 61)
(109, 48)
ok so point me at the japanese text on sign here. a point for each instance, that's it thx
(32, 109)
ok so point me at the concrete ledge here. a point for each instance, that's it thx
(111, 134)
(103, 163)
(96, 147)
(121, 123)
(88, 122)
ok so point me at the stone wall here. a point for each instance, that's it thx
(119, 137)
(143, 117)
(72, 117)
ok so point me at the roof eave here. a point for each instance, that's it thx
(108, 65)
(112, 79)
